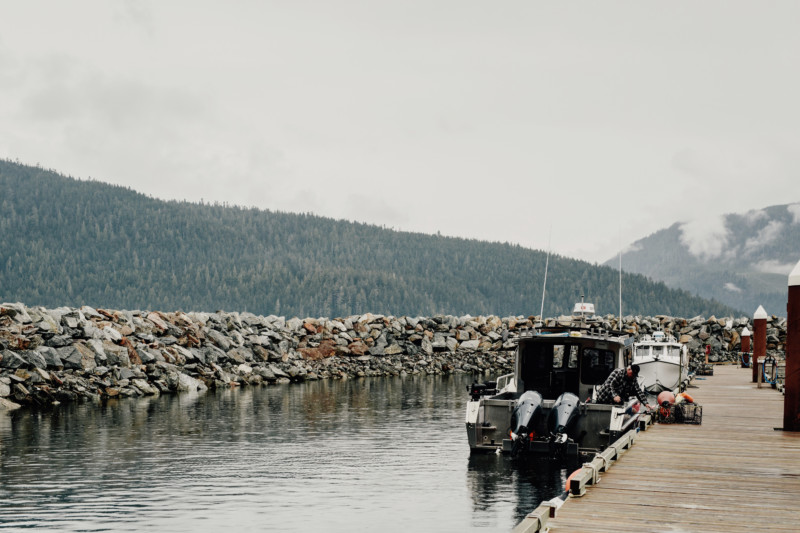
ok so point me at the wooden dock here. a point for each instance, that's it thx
(734, 472)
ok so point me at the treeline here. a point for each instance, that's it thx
(70, 242)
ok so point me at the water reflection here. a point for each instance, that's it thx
(495, 479)
(388, 454)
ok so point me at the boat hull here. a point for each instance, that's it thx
(595, 427)
(659, 376)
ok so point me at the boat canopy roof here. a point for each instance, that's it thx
(575, 335)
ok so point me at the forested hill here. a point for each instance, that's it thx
(71, 242)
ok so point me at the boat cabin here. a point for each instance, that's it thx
(554, 362)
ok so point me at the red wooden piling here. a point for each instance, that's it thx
(791, 402)
(759, 338)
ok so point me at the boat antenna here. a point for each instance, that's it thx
(546, 264)
(620, 281)
(583, 315)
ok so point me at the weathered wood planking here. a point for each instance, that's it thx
(732, 473)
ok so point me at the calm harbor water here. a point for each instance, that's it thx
(380, 454)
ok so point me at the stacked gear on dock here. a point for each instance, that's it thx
(680, 409)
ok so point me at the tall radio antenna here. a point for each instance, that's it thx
(546, 264)
(620, 280)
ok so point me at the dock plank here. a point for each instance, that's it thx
(734, 472)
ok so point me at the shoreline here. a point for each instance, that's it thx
(52, 356)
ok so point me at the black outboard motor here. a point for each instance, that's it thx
(523, 419)
(564, 412)
(529, 407)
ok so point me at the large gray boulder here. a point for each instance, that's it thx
(219, 339)
(189, 384)
(5, 388)
(212, 354)
(277, 372)
(70, 357)
(116, 355)
(12, 360)
(240, 355)
(51, 358)
(34, 359)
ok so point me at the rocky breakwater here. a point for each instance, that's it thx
(48, 356)
(721, 336)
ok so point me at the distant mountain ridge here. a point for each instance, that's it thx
(742, 260)
(66, 242)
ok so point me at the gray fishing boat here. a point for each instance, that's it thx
(545, 406)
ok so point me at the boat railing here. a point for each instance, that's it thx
(503, 381)
(665, 339)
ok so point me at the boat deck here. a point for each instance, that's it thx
(734, 472)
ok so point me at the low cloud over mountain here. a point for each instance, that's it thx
(742, 260)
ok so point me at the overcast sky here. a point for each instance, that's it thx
(606, 121)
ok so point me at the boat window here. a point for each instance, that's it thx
(658, 350)
(536, 366)
(573, 357)
(596, 365)
(550, 369)
(642, 351)
(558, 356)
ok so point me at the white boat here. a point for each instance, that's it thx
(663, 364)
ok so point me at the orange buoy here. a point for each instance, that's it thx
(665, 398)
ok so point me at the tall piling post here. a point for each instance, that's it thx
(791, 401)
(745, 349)
(759, 338)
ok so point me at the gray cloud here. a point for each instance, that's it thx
(705, 237)
(607, 122)
(774, 267)
(765, 236)
(137, 12)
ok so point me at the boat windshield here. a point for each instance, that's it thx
(558, 356)
(672, 352)
(596, 365)
(642, 351)
(549, 369)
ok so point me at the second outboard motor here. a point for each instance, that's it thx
(562, 415)
(529, 406)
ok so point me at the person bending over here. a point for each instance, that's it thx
(620, 385)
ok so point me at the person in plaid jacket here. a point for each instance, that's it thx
(620, 385)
